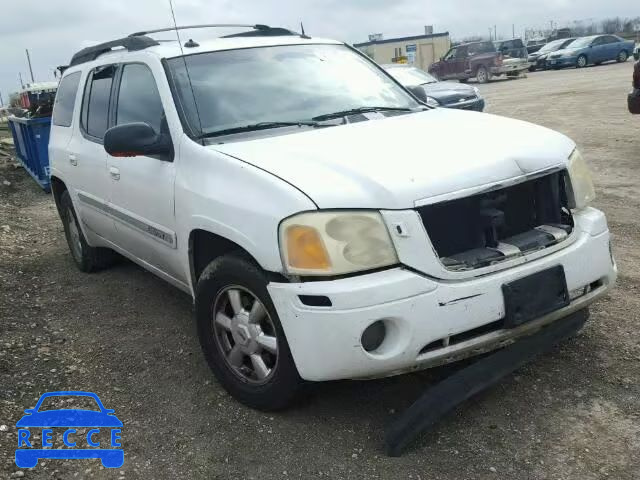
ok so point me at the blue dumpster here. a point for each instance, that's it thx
(31, 141)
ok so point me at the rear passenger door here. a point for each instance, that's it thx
(86, 155)
(142, 188)
(612, 47)
(598, 50)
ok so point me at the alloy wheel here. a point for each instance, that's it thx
(245, 334)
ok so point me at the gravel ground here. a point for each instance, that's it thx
(129, 337)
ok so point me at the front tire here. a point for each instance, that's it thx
(581, 62)
(242, 337)
(87, 258)
(483, 75)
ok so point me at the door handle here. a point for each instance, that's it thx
(73, 160)
(114, 172)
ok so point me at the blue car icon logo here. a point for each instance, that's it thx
(28, 453)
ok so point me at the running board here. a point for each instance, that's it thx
(464, 384)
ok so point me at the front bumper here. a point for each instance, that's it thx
(562, 62)
(419, 311)
(476, 105)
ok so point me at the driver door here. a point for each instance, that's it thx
(142, 188)
(448, 64)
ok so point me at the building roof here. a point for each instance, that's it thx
(401, 39)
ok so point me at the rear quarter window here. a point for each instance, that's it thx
(65, 100)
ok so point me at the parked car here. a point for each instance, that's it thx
(514, 48)
(636, 53)
(536, 44)
(633, 99)
(538, 60)
(478, 60)
(595, 49)
(326, 223)
(440, 94)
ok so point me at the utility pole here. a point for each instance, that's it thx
(1, 101)
(513, 30)
(20, 77)
(495, 32)
(33, 80)
(490, 34)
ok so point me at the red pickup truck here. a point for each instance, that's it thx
(478, 60)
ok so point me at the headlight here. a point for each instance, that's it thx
(335, 243)
(476, 90)
(432, 102)
(581, 181)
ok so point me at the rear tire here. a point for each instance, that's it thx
(581, 62)
(259, 373)
(87, 258)
(622, 56)
(483, 75)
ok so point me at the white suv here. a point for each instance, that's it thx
(327, 223)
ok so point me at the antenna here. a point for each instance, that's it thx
(186, 67)
(304, 35)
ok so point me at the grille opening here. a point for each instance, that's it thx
(487, 228)
(463, 336)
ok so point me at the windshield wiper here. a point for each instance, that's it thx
(258, 126)
(354, 111)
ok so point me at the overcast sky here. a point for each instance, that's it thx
(54, 29)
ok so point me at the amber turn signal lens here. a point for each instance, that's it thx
(306, 249)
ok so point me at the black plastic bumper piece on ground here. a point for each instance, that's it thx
(462, 385)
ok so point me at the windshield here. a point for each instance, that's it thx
(582, 42)
(289, 83)
(410, 76)
(552, 46)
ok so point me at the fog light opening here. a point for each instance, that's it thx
(373, 336)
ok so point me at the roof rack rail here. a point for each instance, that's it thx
(131, 43)
(206, 25)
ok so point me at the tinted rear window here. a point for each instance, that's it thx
(65, 100)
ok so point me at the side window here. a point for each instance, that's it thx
(612, 39)
(65, 100)
(95, 105)
(138, 98)
(451, 55)
(461, 52)
(598, 41)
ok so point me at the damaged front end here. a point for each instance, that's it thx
(498, 225)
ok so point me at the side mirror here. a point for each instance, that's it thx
(136, 139)
(30, 410)
(418, 92)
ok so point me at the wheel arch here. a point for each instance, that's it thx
(204, 246)
(58, 187)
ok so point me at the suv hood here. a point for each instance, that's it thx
(393, 162)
